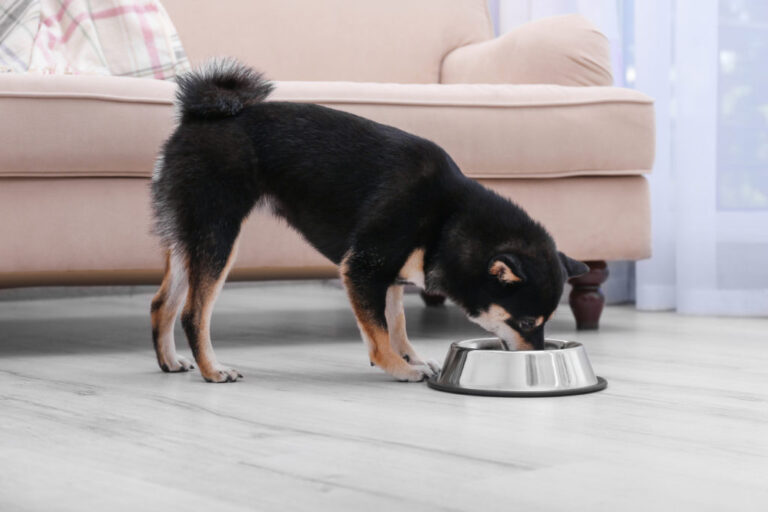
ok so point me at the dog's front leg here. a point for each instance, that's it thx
(398, 337)
(368, 299)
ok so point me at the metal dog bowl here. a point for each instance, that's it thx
(483, 367)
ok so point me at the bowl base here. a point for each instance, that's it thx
(599, 386)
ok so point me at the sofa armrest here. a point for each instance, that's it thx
(562, 50)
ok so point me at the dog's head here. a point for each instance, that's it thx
(502, 267)
(519, 294)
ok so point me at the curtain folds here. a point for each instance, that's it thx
(704, 63)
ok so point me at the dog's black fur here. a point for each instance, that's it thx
(366, 195)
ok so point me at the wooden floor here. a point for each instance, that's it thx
(88, 421)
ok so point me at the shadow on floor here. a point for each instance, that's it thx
(130, 333)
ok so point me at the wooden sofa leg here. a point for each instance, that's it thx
(586, 299)
(432, 300)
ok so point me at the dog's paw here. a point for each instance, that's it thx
(219, 373)
(415, 373)
(176, 364)
(417, 361)
(434, 366)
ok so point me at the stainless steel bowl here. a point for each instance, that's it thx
(484, 367)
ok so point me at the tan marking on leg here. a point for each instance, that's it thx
(413, 269)
(395, 314)
(380, 351)
(203, 292)
(165, 307)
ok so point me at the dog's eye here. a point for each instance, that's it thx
(526, 324)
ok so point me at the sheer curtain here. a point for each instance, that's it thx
(705, 62)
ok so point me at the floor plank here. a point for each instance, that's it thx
(87, 419)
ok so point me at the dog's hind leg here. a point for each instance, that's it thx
(208, 269)
(368, 298)
(395, 315)
(164, 309)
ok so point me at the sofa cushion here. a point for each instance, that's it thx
(360, 40)
(109, 126)
(503, 131)
(562, 50)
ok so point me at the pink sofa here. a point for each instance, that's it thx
(531, 114)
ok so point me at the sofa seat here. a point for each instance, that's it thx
(493, 131)
(97, 230)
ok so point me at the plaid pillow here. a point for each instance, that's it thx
(106, 37)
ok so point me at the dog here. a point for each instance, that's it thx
(388, 207)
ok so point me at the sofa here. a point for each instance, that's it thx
(531, 114)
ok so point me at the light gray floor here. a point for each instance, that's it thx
(88, 422)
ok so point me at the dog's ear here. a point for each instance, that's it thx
(507, 268)
(572, 267)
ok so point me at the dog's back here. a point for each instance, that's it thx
(323, 170)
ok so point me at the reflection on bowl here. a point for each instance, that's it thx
(483, 367)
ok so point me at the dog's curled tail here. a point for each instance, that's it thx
(220, 88)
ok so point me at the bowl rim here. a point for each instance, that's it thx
(567, 345)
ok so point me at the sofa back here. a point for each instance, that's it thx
(356, 40)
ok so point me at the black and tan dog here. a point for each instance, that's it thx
(388, 207)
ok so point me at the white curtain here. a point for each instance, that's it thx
(705, 62)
